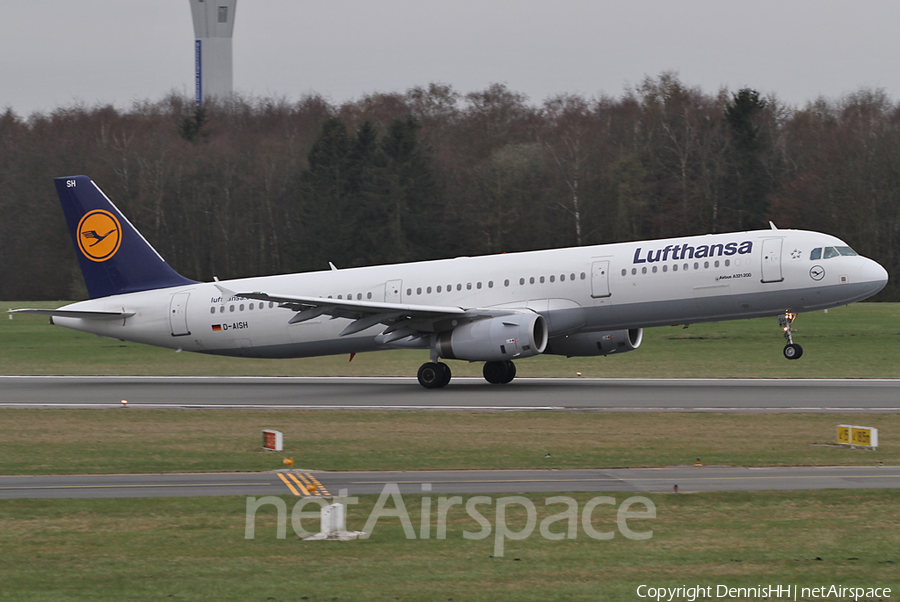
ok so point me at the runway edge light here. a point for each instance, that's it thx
(272, 440)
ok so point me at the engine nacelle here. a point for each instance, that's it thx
(588, 344)
(495, 339)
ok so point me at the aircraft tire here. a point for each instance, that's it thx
(431, 375)
(496, 373)
(445, 375)
(793, 351)
(510, 372)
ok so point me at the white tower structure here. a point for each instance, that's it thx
(213, 26)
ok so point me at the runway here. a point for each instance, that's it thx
(559, 394)
(326, 484)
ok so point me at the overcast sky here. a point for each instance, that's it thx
(56, 52)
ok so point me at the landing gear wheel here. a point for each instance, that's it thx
(499, 373)
(510, 372)
(793, 351)
(445, 375)
(434, 375)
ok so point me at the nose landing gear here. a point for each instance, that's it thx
(792, 350)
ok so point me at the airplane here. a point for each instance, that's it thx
(577, 302)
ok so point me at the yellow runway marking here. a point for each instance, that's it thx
(319, 485)
(288, 483)
(299, 484)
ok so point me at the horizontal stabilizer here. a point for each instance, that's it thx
(74, 313)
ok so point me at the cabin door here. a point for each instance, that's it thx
(178, 314)
(771, 260)
(392, 291)
(600, 279)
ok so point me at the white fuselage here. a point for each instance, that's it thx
(579, 289)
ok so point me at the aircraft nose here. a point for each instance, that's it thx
(874, 274)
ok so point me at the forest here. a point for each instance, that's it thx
(258, 186)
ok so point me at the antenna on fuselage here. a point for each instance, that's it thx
(771, 225)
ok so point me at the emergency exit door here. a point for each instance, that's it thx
(600, 279)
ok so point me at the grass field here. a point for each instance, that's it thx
(858, 341)
(194, 549)
(120, 441)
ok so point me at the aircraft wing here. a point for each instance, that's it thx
(402, 319)
(74, 313)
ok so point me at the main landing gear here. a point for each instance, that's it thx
(435, 375)
(792, 350)
(499, 373)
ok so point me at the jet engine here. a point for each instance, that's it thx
(588, 344)
(495, 339)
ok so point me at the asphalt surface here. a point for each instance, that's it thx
(629, 395)
(314, 483)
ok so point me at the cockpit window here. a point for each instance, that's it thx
(830, 252)
(816, 254)
(846, 251)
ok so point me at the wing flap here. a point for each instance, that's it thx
(366, 314)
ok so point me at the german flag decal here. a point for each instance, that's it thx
(217, 327)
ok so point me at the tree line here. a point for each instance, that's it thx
(263, 186)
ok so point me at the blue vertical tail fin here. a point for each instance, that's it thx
(113, 256)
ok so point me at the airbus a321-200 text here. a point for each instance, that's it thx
(580, 301)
